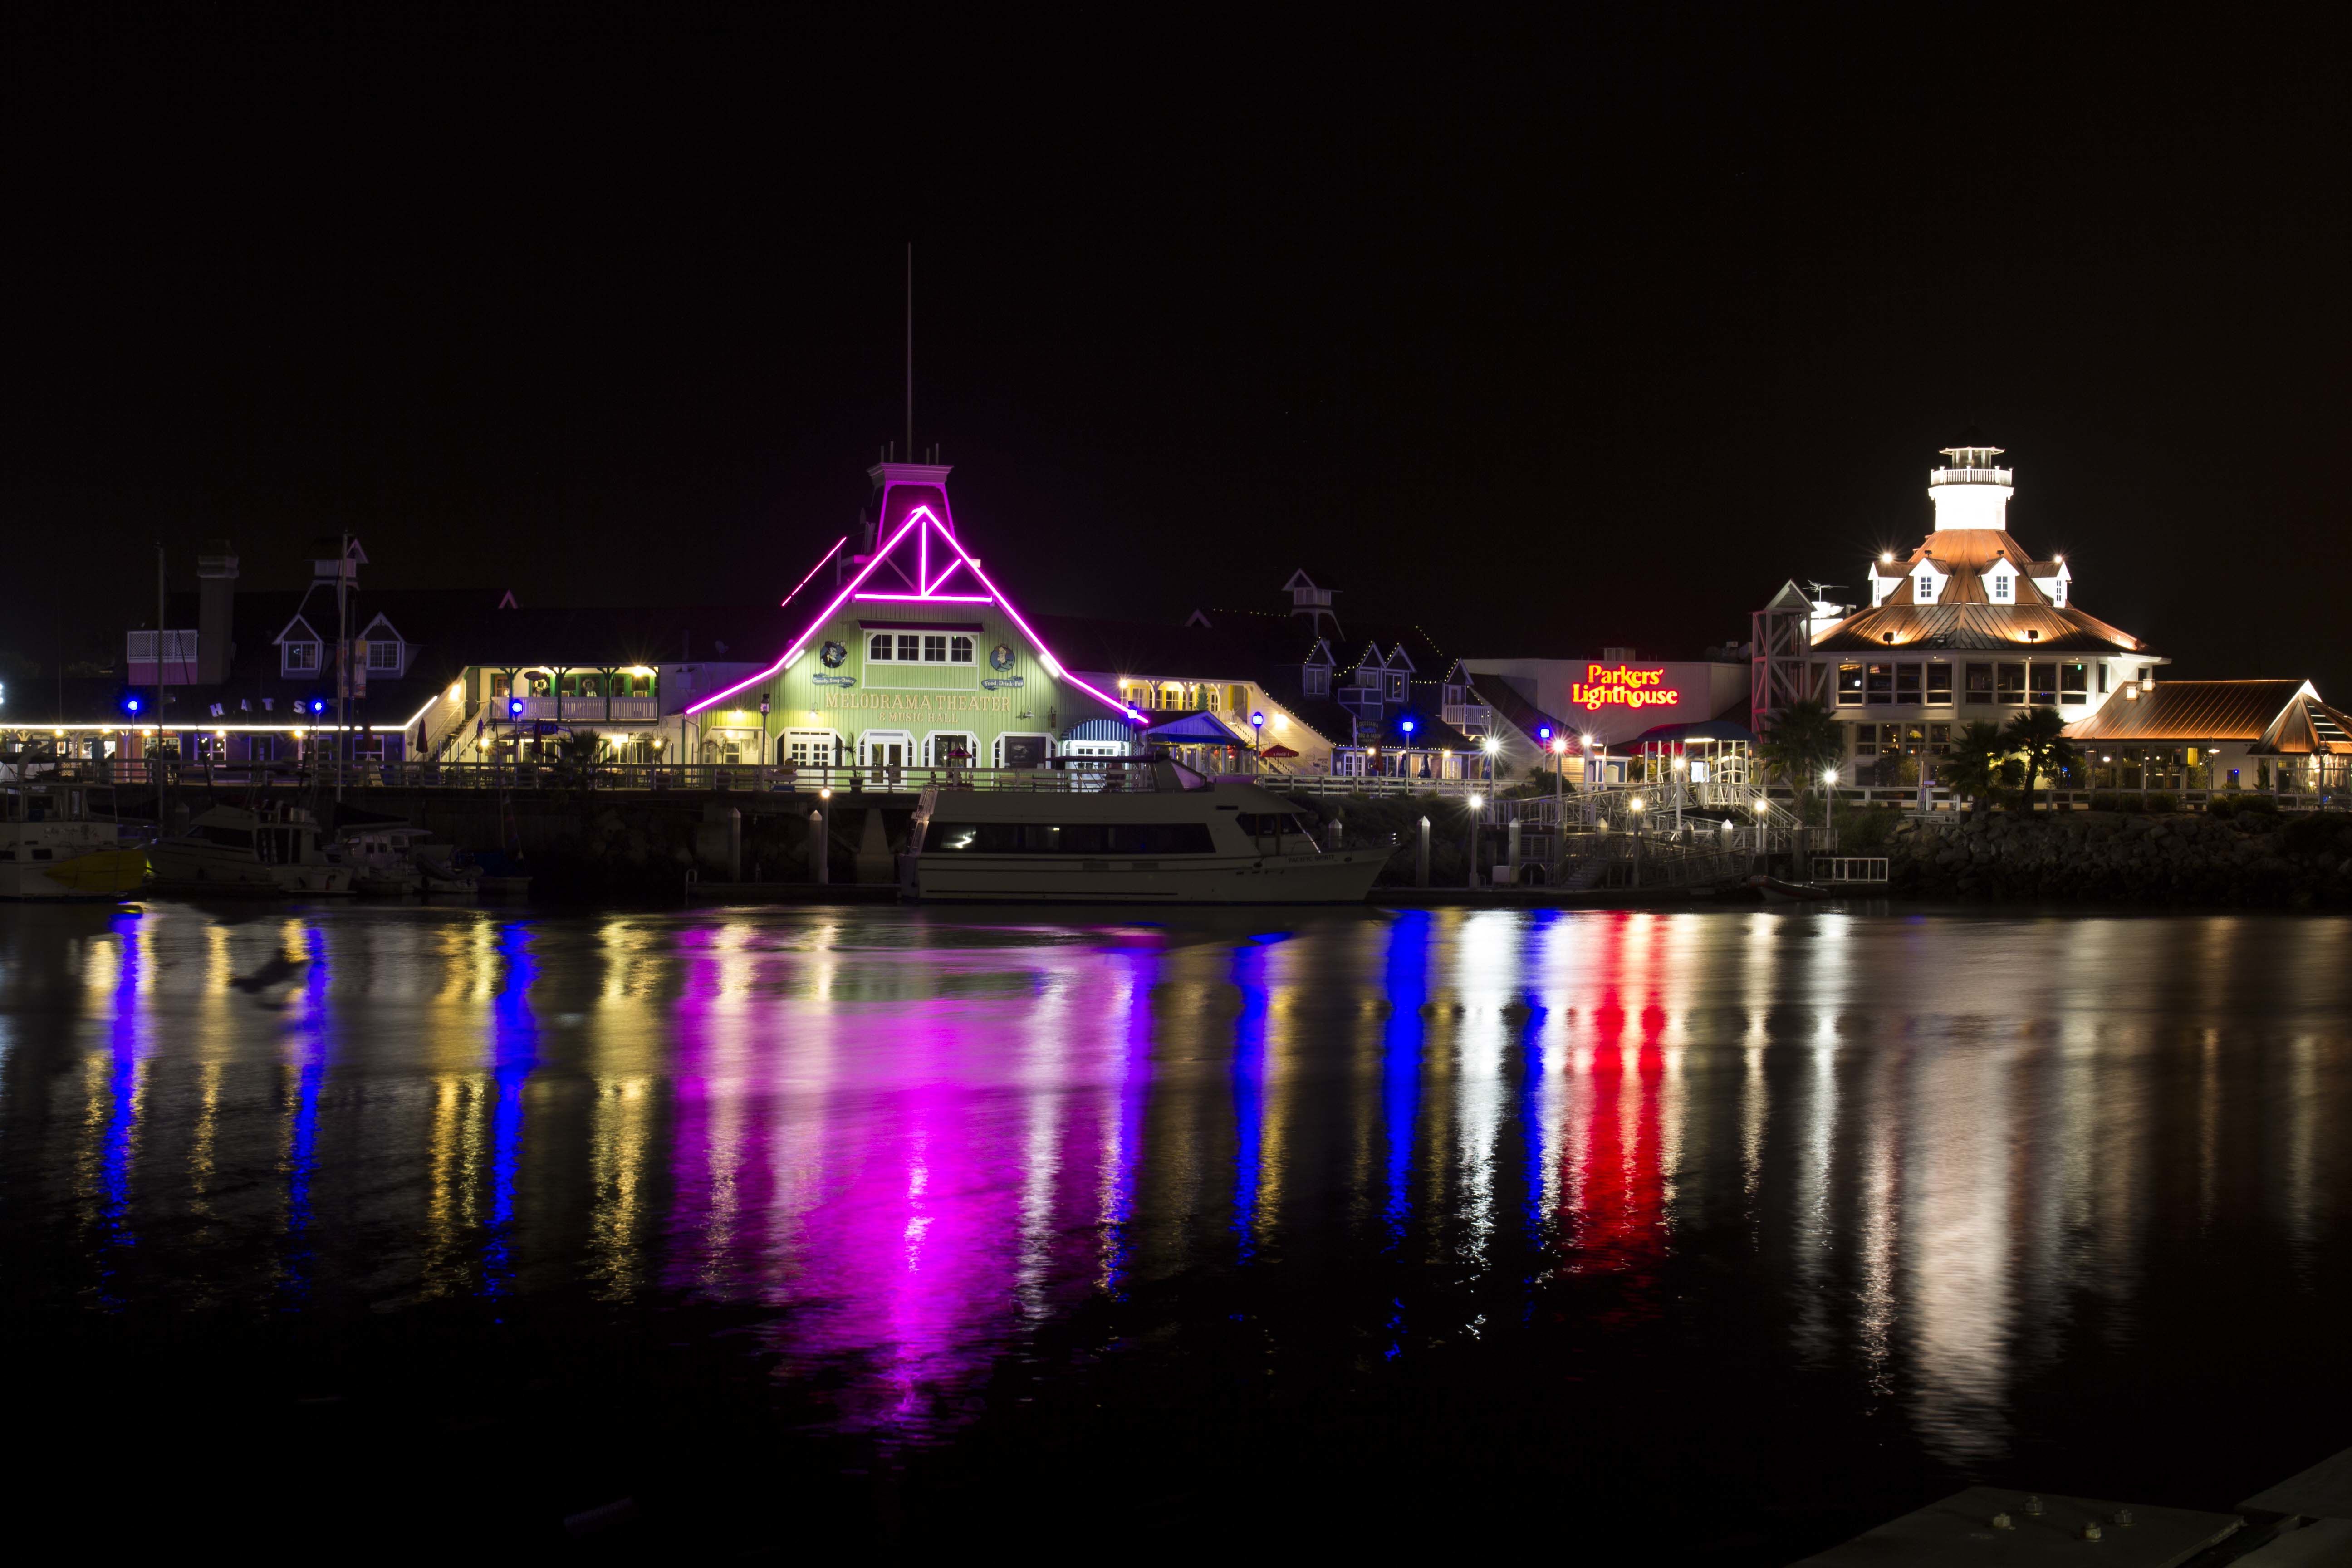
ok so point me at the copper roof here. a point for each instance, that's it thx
(1977, 628)
(1963, 555)
(2248, 711)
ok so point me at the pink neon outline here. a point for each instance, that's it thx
(793, 649)
(922, 562)
(934, 598)
(813, 570)
(921, 514)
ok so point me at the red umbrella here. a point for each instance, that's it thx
(1278, 750)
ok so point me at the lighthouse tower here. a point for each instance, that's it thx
(1971, 492)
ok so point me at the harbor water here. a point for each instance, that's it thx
(1714, 1235)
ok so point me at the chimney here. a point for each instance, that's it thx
(216, 607)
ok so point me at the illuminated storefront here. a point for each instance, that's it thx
(912, 658)
(1967, 627)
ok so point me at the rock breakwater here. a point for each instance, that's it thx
(2252, 859)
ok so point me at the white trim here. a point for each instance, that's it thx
(930, 754)
(996, 747)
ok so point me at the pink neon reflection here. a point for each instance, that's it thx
(918, 1198)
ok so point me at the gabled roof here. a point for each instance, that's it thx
(291, 633)
(2196, 710)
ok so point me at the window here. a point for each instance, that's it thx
(1881, 684)
(935, 648)
(951, 749)
(2009, 683)
(2103, 680)
(878, 647)
(1939, 739)
(1083, 838)
(383, 654)
(1315, 679)
(1865, 740)
(2074, 683)
(1998, 584)
(910, 648)
(1454, 695)
(1907, 683)
(500, 685)
(2045, 685)
(2058, 592)
(1940, 686)
(958, 650)
(1923, 590)
(1979, 684)
(1396, 687)
(1849, 686)
(300, 656)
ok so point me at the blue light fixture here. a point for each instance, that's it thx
(1257, 720)
(130, 705)
(1406, 725)
(514, 706)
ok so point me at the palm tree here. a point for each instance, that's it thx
(1973, 766)
(1801, 743)
(2039, 735)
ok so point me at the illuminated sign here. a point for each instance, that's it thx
(1622, 686)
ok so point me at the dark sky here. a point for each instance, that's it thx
(1590, 332)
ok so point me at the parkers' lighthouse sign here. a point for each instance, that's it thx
(1622, 686)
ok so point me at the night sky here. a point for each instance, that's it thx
(1591, 332)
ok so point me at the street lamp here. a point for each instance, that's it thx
(1829, 782)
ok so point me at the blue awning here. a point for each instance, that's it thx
(1196, 729)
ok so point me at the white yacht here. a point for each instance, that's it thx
(271, 849)
(51, 846)
(1182, 840)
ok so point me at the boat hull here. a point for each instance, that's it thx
(198, 869)
(95, 875)
(1341, 877)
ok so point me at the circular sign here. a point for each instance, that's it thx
(834, 654)
(1000, 658)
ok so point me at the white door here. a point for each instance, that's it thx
(883, 755)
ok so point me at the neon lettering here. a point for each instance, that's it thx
(1622, 686)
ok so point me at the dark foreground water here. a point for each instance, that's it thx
(1724, 1233)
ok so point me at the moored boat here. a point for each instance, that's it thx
(53, 848)
(273, 849)
(1168, 837)
(393, 861)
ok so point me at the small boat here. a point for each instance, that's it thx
(53, 848)
(271, 849)
(1778, 891)
(392, 862)
(1164, 834)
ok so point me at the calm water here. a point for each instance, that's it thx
(1731, 1232)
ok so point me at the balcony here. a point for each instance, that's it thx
(583, 711)
(1969, 477)
(1470, 718)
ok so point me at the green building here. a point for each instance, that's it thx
(913, 658)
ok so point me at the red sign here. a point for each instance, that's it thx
(1622, 686)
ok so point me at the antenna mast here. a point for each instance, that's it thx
(911, 350)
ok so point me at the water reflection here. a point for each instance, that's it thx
(1935, 1150)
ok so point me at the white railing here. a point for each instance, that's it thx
(1833, 868)
(1470, 718)
(1969, 477)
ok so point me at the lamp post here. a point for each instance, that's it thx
(1405, 764)
(1828, 825)
(1258, 741)
(1477, 804)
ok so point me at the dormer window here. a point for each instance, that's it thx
(1396, 687)
(384, 657)
(1997, 586)
(2058, 592)
(299, 657)
(1315, 679)
(1923, 586)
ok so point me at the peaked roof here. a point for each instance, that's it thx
(2271, 714)
(920, 564)
(1963, 614)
